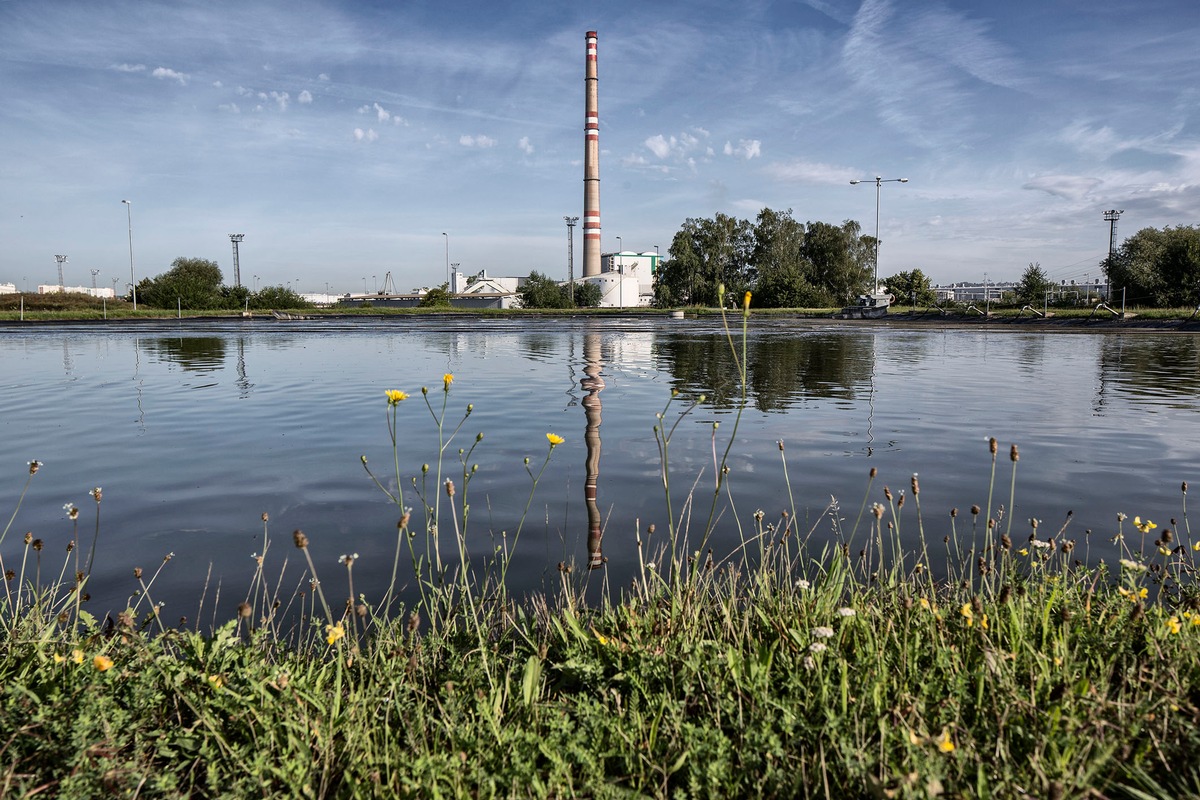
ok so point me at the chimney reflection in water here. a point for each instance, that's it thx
(593, 384)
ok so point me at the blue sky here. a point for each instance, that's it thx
(344, 138)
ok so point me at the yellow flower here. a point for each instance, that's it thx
(58, 658)
(334, 632)
(966, 612)
(394, 396)
(913, 738)
(1173, 625)
(447, 379)
(944, 743)
(746, 302)
(1024, 551)
(216, 680)
(1144, 527)
(601, 638)
(554, 439)
(102, 663)
(77, 656)
(983, 623)
(1196, 547)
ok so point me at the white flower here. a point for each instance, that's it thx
(846, 612)
(1132, 565)
(1038, 543)
(803, 584)
(817, 647)
(809, 663)
(822, 632)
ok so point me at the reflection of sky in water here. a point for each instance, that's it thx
(194, 431)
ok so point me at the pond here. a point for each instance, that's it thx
(195, 429)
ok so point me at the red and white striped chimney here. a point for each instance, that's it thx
(591, 165)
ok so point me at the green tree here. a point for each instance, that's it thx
(437, 297)
(1033, 285)
(193, 283)
(781, 269)
(540, 291)
(840, 257)
(1157, 267)
(704, 254)
(587, 295)
(277, 297)
(911, 286)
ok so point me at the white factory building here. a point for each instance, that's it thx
(626, 279)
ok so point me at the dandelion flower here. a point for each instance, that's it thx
(102, 663)
(77, 656)
(1196, 547)
(334, 632)
(447, 379)
(944, 743)
(1173, 625)
(968, 614)
(600, 637)
(395, 396)
(58, 658)
(822, 632)
(554, 439)
(216, 681)
(1144, 527)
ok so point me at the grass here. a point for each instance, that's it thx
(991, 659)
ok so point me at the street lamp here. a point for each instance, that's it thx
(447, 258)
(878, 183)
(620, 261)
(132, 279)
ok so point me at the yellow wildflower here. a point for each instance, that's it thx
(983, 623)
(968, 614)
(1196, 547)
(216, 680)
(394, 396)
(600, 637)
(334, 632)
(58, 658)
(1144, 527)
(102, 663)
(554, 439)
(944, 743)
(447, 379)
(77, 656)
(746, 302)
(1024, 551)
(913, 738)
(1173, 625)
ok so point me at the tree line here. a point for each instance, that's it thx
(197, 284)
(1157, 267)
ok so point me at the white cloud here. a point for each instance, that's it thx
(281, 99)
(812, 172)
(129, 67)
(304, 98)
(368, 135)
(681, 148)
(660, 146)
(163, 73)
(323, 78)
(381, 113)
(746, 148)
(232, 108)
(218, 85)
(525, 146)
(480, 141)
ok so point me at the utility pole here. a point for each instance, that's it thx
(571, 255)
(1111, 218)
(236, 238)
(61, 260)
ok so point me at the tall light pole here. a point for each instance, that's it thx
(571, 256)
(620, 261)
(61, 260)
(132, 278)
(236, 238)
(879, 182)
(447, 259)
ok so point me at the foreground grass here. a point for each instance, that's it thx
(1048, 682)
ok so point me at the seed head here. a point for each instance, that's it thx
(449, 488)
(974, 511)
(34, 466)
(873, 472)
(137, 573)
(266, 517)
(38, 544)
(1013, 454)
(244, 610)
(993, 445)
(916, 485)
(300, 540)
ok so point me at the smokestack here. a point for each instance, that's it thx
(591, 165)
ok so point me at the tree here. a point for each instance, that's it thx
(840, 257)
(587, 295)
(781, 269)
(437, 297)
(1033, 285)
(277, 297)
(1159, 268)
(704, 254)
(541, 291)
(911, 286)
(193, 283)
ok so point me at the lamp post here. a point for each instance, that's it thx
(878, 183)
(620, 261)
(132, 278)
(571, 256)
(447, 259)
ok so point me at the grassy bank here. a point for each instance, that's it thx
(991, 658)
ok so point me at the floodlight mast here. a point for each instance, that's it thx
(879, 181)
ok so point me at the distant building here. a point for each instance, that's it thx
(8, 288)
(90, 291)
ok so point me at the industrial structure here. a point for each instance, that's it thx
(591, 162)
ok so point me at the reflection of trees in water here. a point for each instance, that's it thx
(780, 369)
(1158, 367)
(193, 353)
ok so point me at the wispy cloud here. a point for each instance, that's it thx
(479, 142)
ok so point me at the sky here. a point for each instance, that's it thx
(350, 140)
